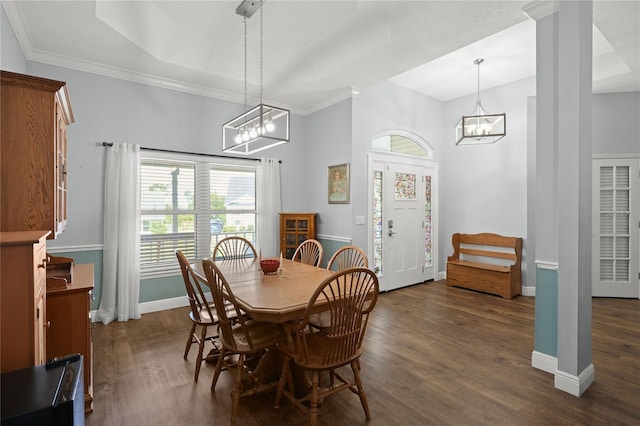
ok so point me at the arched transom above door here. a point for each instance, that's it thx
(400, 142)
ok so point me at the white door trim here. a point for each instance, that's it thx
(410, 160)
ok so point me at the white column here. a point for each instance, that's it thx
(563, 187)
(575, 371)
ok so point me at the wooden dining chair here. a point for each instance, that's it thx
(202, 314)
(233, 248)
(242, 344)
(348, 257)
(349, 296)
(309, 252)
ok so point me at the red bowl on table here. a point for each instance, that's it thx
(269, 266)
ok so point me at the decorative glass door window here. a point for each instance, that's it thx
(405, 184)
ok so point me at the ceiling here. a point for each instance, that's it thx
(316, 53)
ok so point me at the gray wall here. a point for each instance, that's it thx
(11, 57)
(325, 141)
(616, 123)
(107, 109)
(482, 188)
(380, 108)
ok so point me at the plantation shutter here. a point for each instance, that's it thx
(615, 228)
(167, 212)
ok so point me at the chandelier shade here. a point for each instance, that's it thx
(480, 127)
(263, 126)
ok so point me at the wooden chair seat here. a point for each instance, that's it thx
(318, 344)
(254, 334)
(209, 316)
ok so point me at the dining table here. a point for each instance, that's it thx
(276, 298)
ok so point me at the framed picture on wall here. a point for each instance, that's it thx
(338, 184)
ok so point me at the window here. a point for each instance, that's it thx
(401, 144)
(189, 206)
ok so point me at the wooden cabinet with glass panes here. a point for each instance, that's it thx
(294, 229)
(33, 153)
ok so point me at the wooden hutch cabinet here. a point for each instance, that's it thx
(23, 262)
(38, 321)
(294, 229)
(33, 153)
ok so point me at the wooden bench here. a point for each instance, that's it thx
(490, 263)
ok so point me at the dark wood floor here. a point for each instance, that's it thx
(434, 355)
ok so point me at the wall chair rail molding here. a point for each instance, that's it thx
(74, 249)
(544, 264)
(335, 238)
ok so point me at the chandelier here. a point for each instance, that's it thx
(480, 127)
(263, 126)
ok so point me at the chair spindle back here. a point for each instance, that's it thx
(233, 248)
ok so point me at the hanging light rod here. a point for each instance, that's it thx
(248, 7)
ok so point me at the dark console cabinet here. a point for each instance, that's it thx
(41, 396)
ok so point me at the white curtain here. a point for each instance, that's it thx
(121, 253)
(269, 206)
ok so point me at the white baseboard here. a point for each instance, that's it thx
(156, 305)
(544, 362)
(575, 385)
(163, 305)
(529, 291)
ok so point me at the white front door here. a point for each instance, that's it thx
(616, 227)
(403, 232)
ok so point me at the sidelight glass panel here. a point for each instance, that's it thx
(377, 222)
(428, 223)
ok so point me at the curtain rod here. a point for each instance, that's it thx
(191, 153)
